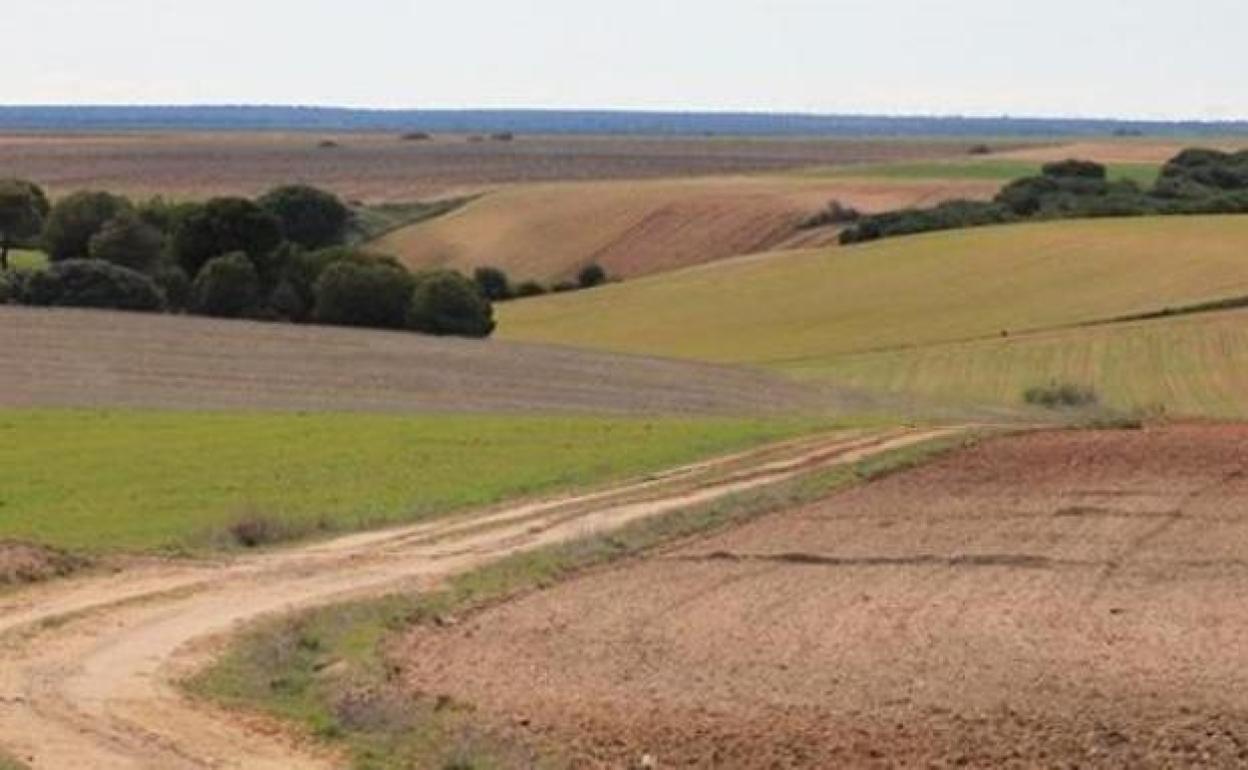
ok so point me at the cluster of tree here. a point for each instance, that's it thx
(496, 286)
(1194, 182)
(280, 257)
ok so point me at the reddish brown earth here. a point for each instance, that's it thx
(1049, 600)
(380, 167)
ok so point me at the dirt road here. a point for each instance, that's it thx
(87, 677)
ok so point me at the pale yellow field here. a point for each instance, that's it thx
(548, 232)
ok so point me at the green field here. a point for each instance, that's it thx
(1144, 174)
(1192, 365)
(27, 260)
(796, 310)
(153, 480)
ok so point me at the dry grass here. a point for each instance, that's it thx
(549, 232)
(1118, 150)
(380, 167)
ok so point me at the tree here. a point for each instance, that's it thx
(312, 218)
(224, 226)
(372, 293)
(1075, 169)
(493, 283)
(23, 209)
(75, 219)
(92, 283)
(591, 275)
(227, 287)
(446, 303)
(128, 241)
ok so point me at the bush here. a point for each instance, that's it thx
(1061, 396)
(225, 226)
(835, 213)
(446, 303)
(175, 285)
(493, 283)
(74, 220)
(1075, 169)
(530, 289)
(311, 218)
(91, 283)
(227, 287)
(11, 288)
(372, 293)
(591, 275)
(946, 216)
(128, 241)
(416, 136)
(23, 209)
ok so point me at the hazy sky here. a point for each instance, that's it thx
(1140, 58)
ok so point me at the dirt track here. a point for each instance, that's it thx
(76, 358)
(1050, 600)
(85, 678)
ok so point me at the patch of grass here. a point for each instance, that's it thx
(1003, 170)
(327, 670)
(27, 261)
(101, 480)
(378, 220)
(1190, 366)
(799, 311)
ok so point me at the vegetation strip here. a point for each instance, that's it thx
(327, 670)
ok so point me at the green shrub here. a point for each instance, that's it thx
(1061, 396)
(227, 287)
(1075, 169)
(530, 289)
(75, 220)
(128, 241)
(175, 285)
(23, 210)
(835, 213)
(591, 275)
(11, 288)
(225, 226)
(372, 293)
(92, 283)
(310, 217)
(493, 283)
(446, 303)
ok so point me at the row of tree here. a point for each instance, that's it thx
(279, 257)
(1197, 181)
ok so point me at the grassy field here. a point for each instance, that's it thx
(549, 232)
(795, 311)
(1144, 174)
(1191, 365)
(27, 260)
(150, 480)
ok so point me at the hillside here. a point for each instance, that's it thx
(548, 232)
(808, 312)
(66, 358)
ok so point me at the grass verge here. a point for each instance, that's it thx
(94, 481)
(327, 672)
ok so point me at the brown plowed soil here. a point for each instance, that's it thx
(75, 358)
(1049, 600)
(379, 167)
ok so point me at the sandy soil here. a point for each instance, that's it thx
(87, 358)
(85, 679)
(1051, 600)
(549, 232)
(379, 167)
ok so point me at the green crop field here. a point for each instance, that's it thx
(1144, 174)
(798, 310)
(1189, 365)
(151, 480)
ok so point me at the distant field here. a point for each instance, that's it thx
(27, 260)
(68, 358)
(380, 168)
(549, 232)
(1144, 174)
(801, 310)
(1192, 365)
(140, 480)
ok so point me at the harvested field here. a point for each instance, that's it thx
(1120, 150)
(67, 358)
(379, 168)
(1054, 599)
(549, 232)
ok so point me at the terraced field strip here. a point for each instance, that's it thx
(86, 678)
(1144, 173)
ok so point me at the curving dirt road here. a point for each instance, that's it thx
(89, 665)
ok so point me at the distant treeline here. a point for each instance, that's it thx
(250, 118)
(1196, 181)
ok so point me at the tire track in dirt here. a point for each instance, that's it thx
(90, 665)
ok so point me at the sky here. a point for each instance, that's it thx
(1088, 58)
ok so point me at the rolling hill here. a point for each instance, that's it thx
(810, 313)
(549, 232)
